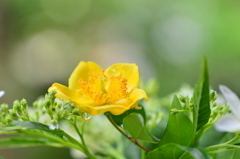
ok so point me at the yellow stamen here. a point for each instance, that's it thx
(103, 89)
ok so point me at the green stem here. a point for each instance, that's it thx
(222, 146)
(201, 131)
(74, 140)
(226, 145)
(87, 152)
(217, 151)
(234, 139)
(143, 153)
(124, 134)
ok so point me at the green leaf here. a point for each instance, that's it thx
(176, 151)
(39, 126)
(19, 141)
(1, 157)
(179, 129)
(118, 119)
(36, 129)
(31, 125)
(201, 107)
(134, 124)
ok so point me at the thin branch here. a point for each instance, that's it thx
(88, 153)
(124, 134)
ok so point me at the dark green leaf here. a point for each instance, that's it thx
(201, 108)
(134, 124)
(179, 128)
(118, 119)
(176, 151)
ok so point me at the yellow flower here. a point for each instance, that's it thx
(96, 91)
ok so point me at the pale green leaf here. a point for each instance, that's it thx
(134, 124)
(179, 129)
(118, 119)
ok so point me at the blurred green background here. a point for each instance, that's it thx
(42, 41)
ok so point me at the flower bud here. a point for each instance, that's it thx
(4, 107)
(13, 113)
(35, 105)
(214, 104)
(174, 111)
(58, 105)
(16, 105)
(213, 95)
(53, 109)
(182, 99)
(3, 114)
(47, 103)
(8, 119)
(221, 107)
(76, 111)
(191, 100)
(24, 111)
(24, 103)
(51, 95)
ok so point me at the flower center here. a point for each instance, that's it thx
(103, 89)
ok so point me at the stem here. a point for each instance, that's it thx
(124, 134)
(200, 132)
(216, 151)
(72, 139)
(234, 139)
(226, 144)
(87, 152)
(223, 146)
(143, 153)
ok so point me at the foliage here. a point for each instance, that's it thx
(187, 121)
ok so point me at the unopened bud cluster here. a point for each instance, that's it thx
(18, 112)
(55, 109)
(5, 117)
(187, 104)
(216, 111)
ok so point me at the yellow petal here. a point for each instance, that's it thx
(82, 71)
(118, 111)
(64, 93)
(130, 103)
(138, 94)
(134, 96)
(95, 110)
(129, 71)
